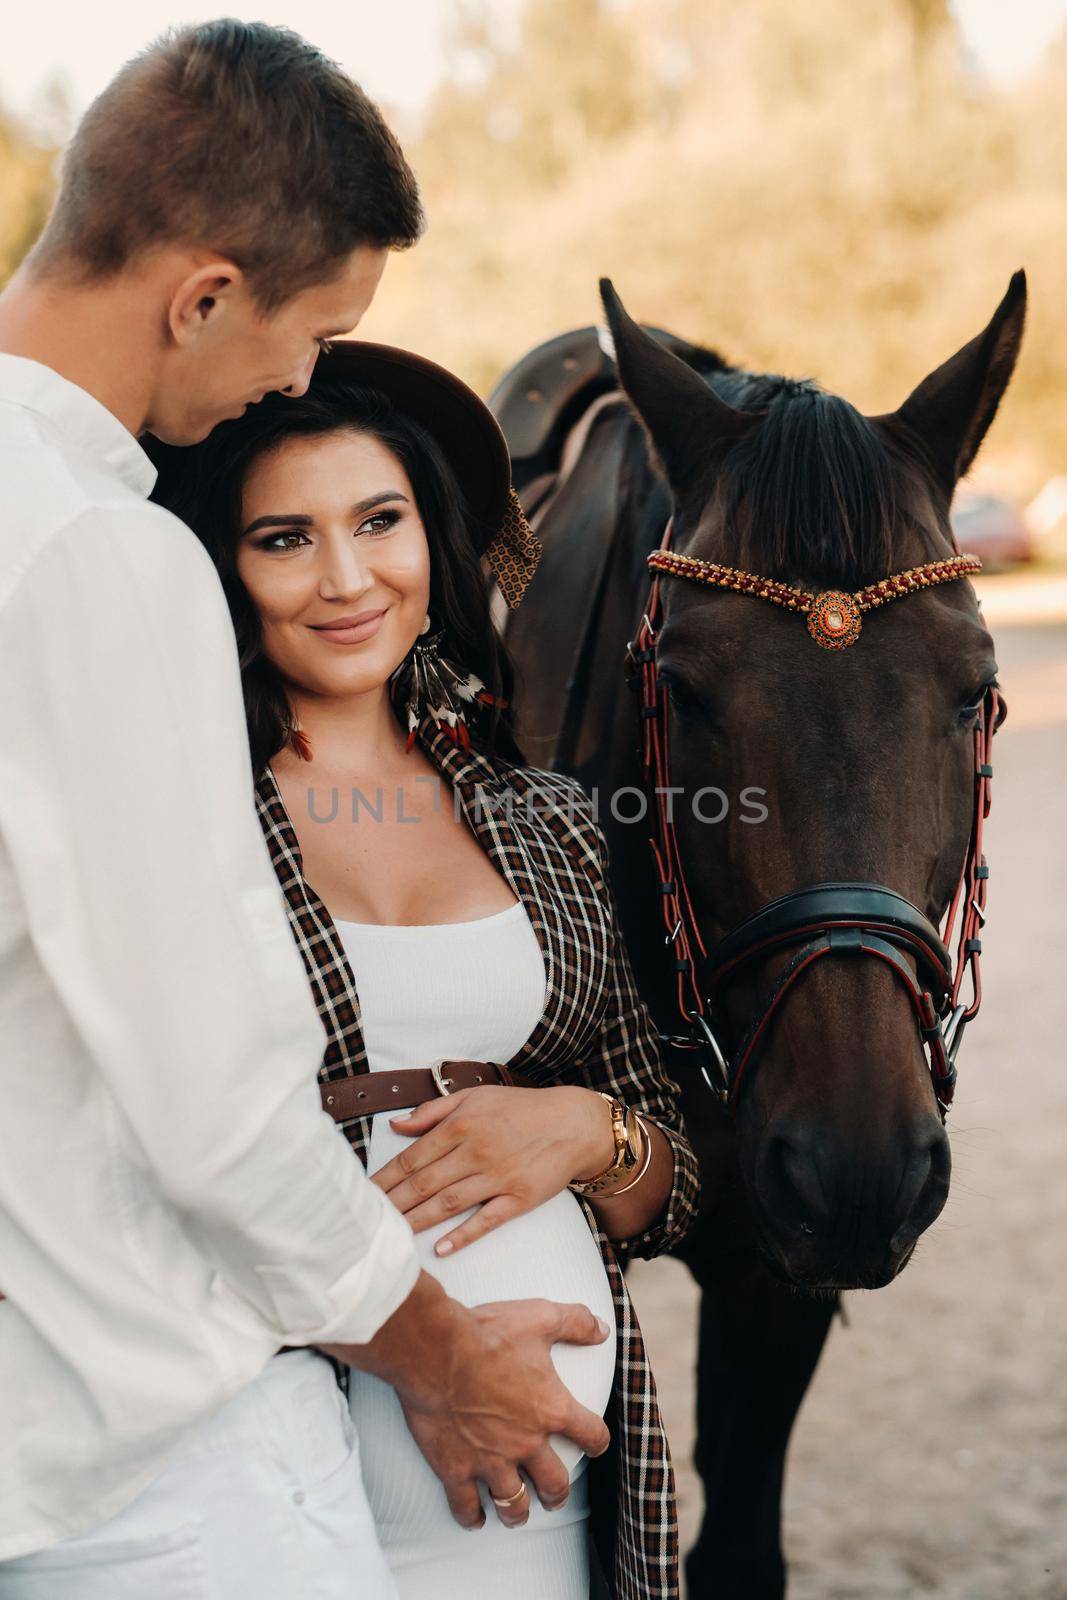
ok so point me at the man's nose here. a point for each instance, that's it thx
(302, 382)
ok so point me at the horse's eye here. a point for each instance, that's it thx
(970, 711)
(682, 696)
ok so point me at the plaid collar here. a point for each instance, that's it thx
(463, 768)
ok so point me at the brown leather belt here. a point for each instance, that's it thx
(370, 1092)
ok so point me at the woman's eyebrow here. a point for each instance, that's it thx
(302, 520)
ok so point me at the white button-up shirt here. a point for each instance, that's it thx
(174, 1203)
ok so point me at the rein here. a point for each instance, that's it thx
(821, 919)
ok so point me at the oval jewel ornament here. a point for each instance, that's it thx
(834, 620)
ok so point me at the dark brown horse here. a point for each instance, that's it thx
(792, 766)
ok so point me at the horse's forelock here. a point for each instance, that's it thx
(815, 491)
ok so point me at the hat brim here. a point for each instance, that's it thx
(468, 434)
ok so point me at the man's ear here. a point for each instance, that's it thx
(684, 418)
(951, 409)
(206, 294)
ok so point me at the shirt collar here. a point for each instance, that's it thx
(83, 422)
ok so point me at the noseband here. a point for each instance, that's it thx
(822, 919)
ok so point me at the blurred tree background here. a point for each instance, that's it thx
(826, 190)
(26, 168)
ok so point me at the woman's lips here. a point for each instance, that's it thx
(354, 634)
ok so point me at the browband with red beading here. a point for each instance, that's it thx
(834, 617)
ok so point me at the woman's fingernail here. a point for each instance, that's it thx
(602, 1327)
(444, 1247)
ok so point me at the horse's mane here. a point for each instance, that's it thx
(814, 491)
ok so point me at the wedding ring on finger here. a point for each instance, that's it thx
(511, 1500)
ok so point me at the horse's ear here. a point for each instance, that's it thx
(951, 410)
(685, 419)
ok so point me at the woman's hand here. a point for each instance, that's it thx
(503, 1149)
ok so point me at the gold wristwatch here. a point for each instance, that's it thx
(629, 1148)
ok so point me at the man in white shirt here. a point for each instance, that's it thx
(174, 1204)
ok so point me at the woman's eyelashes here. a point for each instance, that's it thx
(380, 523)
(271, 542)
(384, 520)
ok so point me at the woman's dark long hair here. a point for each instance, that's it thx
(206, 493)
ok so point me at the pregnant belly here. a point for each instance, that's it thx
(549, 1253)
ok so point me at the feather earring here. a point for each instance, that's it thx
(301, 744)
(427, 683)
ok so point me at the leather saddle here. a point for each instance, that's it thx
(549, 393)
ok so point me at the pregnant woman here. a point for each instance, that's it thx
(486, 1052)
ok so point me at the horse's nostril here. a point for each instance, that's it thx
(914, 1181)
(789, 1182)
(802, 1174)
(923, 1192)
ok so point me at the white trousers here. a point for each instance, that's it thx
(266, 1499)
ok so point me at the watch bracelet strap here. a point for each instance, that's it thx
(618, 1167)
(643, 1166)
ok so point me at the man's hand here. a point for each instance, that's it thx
(481, 1395)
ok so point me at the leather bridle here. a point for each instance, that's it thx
(822, 919)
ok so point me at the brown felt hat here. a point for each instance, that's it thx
(463, 426)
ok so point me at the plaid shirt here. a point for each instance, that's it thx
(538, 829)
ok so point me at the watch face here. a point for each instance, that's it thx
(634, 1137)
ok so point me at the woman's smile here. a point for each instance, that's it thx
(350, 630)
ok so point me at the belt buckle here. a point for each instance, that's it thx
(442, 1084)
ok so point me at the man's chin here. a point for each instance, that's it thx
(188, 433)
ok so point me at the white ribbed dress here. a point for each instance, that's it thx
(473, 991)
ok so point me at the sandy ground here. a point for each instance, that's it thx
(930, 1457)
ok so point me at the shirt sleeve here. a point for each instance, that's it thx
(626, 1061)
(127, 806)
